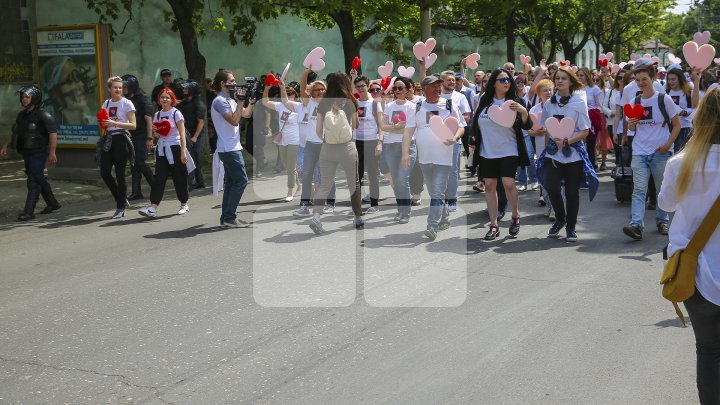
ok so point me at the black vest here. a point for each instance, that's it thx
(32, 130)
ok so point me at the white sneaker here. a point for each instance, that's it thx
(534, 186)
(328, 209)
(184, 209)
(551, 215)
(288, 198)
(149, 212)
(521, 188)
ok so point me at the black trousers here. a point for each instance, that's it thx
(572, 174)
(117, 156)
(140, 167)
(705, 317)
(163, 170)
(368, 161)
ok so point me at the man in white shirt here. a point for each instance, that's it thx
(460, 102)
(226, 115)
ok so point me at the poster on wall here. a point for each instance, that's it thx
(72, 62)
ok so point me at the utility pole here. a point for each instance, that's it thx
(697, 12)
(425, 22)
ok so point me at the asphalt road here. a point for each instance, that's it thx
(175, 310)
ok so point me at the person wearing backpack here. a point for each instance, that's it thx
(655, 134)
(336, 118)
(679, 90)
(689, 188)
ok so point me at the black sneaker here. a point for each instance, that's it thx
(493, 233)
(651, 206)
(359, 223)
(571, 236)
(430, 233)
(633, 231)
(554, 231)
(316, 226)
(663, 229)
(514, 227)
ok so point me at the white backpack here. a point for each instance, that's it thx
(337, 127)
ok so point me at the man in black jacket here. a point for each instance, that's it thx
(142, 135)
(35, 137)
(194, 111)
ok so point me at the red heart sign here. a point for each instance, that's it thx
(563, 63)
(162, 127)
(103, 115)
(271, 80)
(357, 95)
(356, 63)
(635, 111)
(402, 117)
(385, 82)
(603, 62)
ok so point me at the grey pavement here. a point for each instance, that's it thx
(176, 310)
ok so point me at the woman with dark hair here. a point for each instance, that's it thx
(369, 140)
(501, 149)
(565, 162)
(336, 118)
(594, 96)
(615, 123)
(680, 92)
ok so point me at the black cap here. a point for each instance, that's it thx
(165, 72)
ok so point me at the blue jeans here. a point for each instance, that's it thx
(523, 173)
(454, 177)
(643, 166)
(236, 180)
(311, 157)
(392, 156)
(436, 179)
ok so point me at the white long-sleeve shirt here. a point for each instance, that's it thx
(689, 214)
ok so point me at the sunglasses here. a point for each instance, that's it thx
(398, 88)
(375, 90)
(504, 80)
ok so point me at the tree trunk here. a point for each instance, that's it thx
(194, 60)
(425, 21)
(351, 45)
(510, 38)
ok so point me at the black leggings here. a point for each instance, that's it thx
(117, 156)
(572, 173)
(705, 317)
(179, 174)
(368, 161)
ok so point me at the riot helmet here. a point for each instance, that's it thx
(34, 92)
(132, 84)
(192, 86)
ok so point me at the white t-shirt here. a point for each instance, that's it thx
(118, 111)
(617, 102)
(308, 122)
(537, 109)
(681, 100)
(417, 99)
(174, 116)
(288, 122)
(228, 135)
(459, 102)
(649, 132)
(395, 111)
(631, 90)
(367, 129)
(594, 96)
(576, 109)
(497, 141)
(430, 148)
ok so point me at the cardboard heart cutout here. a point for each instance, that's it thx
(655, 60)
(635, 111)
(717, 61)
(503, 116)
(430, 60)
(603, 62)
(633, 57)
(163, 127)
(271, 80)
(622, 64)
(357, 96)
(609, 56)
(103, 115)
(560, 129)
(647, 56)
(536, 121)
(284, 73)
(524, 60)
(314, 60)
(423, 49)
(614, 69)
(356, 63)
(401, 117)
(471, 60)
(564, 63)
(444, 130)
(385, 82)
(574, 68)
(673, 59)
(406, 71)
(701, 38)
(698, 57)
(385, 70)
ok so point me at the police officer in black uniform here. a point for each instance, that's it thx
(167, 82)
(35, 137)
(194, 111)
(142, 135)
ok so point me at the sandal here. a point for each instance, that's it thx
(493, 233)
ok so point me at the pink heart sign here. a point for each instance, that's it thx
(536, 121)
(386, 69)
(615, 68)
(430, 60)
(503, 116)
(698, 57)
(406, 71)
(633, 57)
(673, 59)
(284, 73)
(471, 60)
(574, 68)
(701, 38)
(606, 56)
(560, 129)
(444, 130)
(717, 61)
(314, 60)
(423, 49)
(524, 60)
(564, 63)
(647, 56)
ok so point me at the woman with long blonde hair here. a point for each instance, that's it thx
(690, 187)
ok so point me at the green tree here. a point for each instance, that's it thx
(679, 29)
